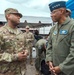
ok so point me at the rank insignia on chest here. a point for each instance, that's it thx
(55, 32)
(63, 32)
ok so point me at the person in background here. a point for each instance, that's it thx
(40, 64)
(37, 36)
(29, 38)
(68, 13)
(13, 51)
(1, 24)
(60, 49)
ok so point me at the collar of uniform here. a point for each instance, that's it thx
(64, 23)
(11, 30)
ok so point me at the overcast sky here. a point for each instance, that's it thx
(28, 7)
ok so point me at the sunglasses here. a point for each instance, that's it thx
(27, 28)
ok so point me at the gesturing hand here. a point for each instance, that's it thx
(22, 55)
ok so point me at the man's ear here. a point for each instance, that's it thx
(7, 16)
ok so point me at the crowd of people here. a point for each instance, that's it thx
(54, 56)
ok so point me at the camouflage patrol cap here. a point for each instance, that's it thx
(12, 11)
(27, 26)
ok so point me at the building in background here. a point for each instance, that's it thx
(43, 24)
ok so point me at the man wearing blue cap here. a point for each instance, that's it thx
(60, 50)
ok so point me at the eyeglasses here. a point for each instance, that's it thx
(27, 28)
(55, 11)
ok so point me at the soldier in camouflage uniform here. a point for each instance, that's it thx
(29, 38)
(13, 51)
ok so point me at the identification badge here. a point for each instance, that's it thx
(55, 32)
(63, 32)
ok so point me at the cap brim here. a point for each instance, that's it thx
(28, 28)
(18, 14)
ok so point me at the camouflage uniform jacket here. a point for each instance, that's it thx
(12, 41)
(29, 38)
